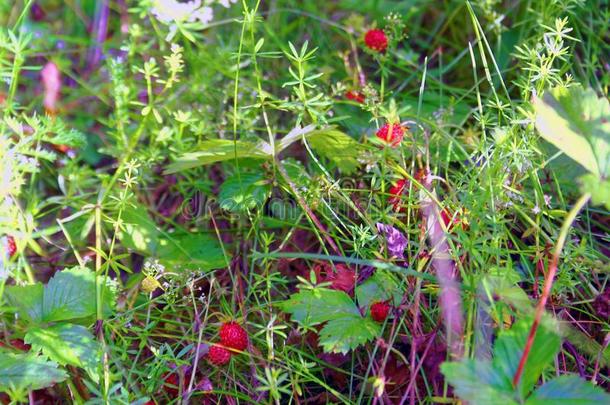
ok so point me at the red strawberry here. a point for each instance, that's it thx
(218, 355)
(393, 138)
(11, 246)
(380, 311)
(376, 40)
(396, 192)
(355, 96)
(171, 384)
(450, 220)
(233, 335)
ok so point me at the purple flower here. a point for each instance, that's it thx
(396, 241)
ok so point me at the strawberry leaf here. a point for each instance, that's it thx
(21, 372)
(67, 344)
(568, 390)
(69, 295)
(343, 334)
(345, 328)
(338, 147)
(381, 286)
(478, 382)
(577, 122)
(219, 150)
(248, 191)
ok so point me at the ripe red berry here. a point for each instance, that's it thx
(11, 246)
(218, 355)
(233, 335)
(355, 96)
(380, 311)
(394, 137)
(171, 384)
(396, 192)
(376, 40)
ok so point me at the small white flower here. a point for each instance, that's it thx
(227, 3)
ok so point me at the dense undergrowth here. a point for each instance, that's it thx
(288, 201)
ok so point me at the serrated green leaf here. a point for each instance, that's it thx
(67, 344)
(27, 372)
(509, 348)
(248, 191)
(577, 122)
(312, 307)
(69, 295)
(219, 150)
(381, 286)
(27, 300)
(337, 147)
(478, 382)
(568, 390)
(343, 334)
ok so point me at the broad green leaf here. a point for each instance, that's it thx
(381, 286)
(568, 390)
(19, 372)
(69, 295)
(599, 189)
(509, 347)
(27, 300)
(219, 150)
(199, 249)
(139, 232)
(243, 192)
(577, 122)
(311, 307)
(343, 334)
(337, 147)
(143, 235)
(478, 382)
(67, 344)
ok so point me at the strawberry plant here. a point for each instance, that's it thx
(342, 201)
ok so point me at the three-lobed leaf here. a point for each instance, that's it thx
(345, 329)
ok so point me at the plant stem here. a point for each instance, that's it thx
(548, 283)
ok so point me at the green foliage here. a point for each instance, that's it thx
(219, 150)
(337, 147)
(345, 328)
(21, 372)
(577, 122)
(67, 344)
(141, 234)
(243, 192)
(69, 296)
(381, 286)
(484, 381)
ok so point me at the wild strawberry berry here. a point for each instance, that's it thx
(396, 192)
(394, 137)
(376, 40)
(233, 335)
(355, 96)
(380, 311)
(218, 355)
(11, 246)
(171, 383)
